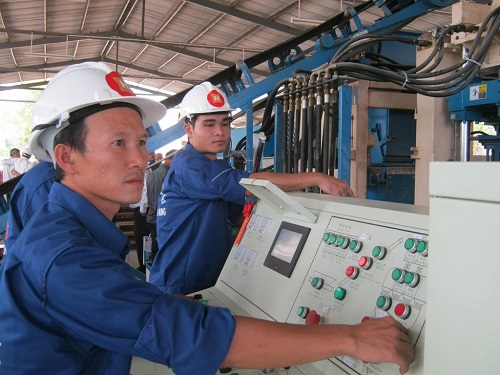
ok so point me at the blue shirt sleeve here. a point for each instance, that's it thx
(92, 296)
(211, 179)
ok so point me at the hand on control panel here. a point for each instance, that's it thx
(382, 340)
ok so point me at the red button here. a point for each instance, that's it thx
(313, 318)
(365, 262)
(365, 318)
(402, 310)
(352, 272)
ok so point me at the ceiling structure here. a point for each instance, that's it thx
(163, 47)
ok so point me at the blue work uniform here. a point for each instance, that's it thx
(30, 193)
(69, 304)
(192, 221)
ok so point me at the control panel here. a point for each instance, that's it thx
(309, 258)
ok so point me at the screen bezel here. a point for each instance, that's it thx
(279, 265)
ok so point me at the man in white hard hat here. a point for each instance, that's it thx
(202, 193)
(69, 303)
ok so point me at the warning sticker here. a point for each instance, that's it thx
(477, 92)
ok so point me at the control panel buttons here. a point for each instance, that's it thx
(384, 303)
(411, 279)
(411, 245)
(365, 262)
(342, 242)
(398, 275)
(339, 293)
(317, 283)
(302, 311)
(355, 245)
(422, 248)
(379, 252)
(352, 272)
(313, 318)
(326, 237)
(332, 239)
(402, 310)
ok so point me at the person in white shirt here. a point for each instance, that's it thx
(8, 164)
(22, 164)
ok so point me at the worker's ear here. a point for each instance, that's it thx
(188, 129)
(65, 158)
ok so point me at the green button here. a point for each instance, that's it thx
(355, 245)
(422, 247)
(398, 275)
(409, 278)
(302, 311)
(379, 252)
(410, 244)
(317, 282)
(383, 303)
(339, 293)
(326, 237)
(332, 239)
(340, 241)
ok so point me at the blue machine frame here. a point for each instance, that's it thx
(327, 45)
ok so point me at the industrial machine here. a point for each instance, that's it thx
(307, 258)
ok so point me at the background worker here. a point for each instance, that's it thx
(70, 251)
(8, 164)
(22, 164)
(154, 184)
(199, 195)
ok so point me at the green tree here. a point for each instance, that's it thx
(15, 125)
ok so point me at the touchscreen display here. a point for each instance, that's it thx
(286, 248)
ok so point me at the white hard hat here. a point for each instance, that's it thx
(203, 98)
(79, 86)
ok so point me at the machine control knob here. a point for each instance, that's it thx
(365, 318)
(411, 245)
(384, 303)
(339, 293)
(422, 248)
(317, 283)
(398, 275)
(402, 310)
(355, 245)
(313, 318)
(326, 237)
(352, 272)
(302, 311)
(379, 252)
(411, 279)
(365, 262)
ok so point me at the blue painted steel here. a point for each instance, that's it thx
(480, 101)
(278, 137)
(345, 132)
(249, 150)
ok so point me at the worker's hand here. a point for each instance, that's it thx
(383, 340)
(332, 185)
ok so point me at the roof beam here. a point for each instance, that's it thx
(231, 11)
